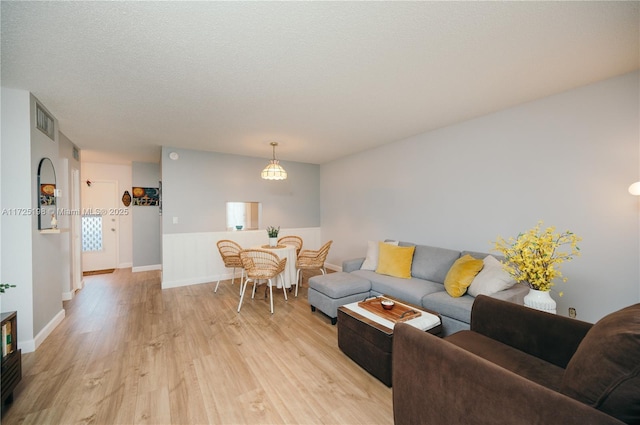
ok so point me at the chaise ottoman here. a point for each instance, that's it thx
(329, 291)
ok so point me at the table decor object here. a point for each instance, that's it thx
(387, 304)
(126, 198)
(534, 258)
(273, 231)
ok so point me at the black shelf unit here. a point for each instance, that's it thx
(12, 361)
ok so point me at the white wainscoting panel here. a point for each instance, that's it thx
(192, 258)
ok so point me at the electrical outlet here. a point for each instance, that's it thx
(572, 312)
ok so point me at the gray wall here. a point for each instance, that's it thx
(566, 159)
(197, 186)
(147, 231)
(47, 252)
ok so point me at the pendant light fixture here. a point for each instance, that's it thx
(273, 170)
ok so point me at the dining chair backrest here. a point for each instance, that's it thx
(313, 259)
(291, 240)
(324, 251)
(261, 264)
(230, 253)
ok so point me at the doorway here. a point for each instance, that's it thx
(99, 225)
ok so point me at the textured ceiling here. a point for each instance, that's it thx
(325, 79)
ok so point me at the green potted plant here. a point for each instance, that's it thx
(4, 286)
(534, 259)
(273, 235)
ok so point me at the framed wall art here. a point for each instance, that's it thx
(146, 196)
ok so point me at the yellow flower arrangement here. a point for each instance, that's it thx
(534, 258)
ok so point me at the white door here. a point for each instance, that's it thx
(99, 225)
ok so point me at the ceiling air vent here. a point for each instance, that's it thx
(44, 122)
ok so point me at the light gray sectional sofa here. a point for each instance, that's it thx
(425, 287)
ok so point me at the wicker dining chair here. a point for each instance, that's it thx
(292, 240)
(261, 265)
(230, 253)
(311, 260)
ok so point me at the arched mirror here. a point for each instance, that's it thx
(48, 217)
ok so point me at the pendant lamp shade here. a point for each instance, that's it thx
(273, 170)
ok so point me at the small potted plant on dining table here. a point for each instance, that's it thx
(273, 231)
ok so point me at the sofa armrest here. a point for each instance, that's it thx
(436, 382)
(547, 336)
(351, 265)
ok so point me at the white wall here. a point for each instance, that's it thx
(16, 196)
(192, 258)
(121, 174)
(566, 159)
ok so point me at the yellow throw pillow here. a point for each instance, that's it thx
(395, 260)
(461, 274)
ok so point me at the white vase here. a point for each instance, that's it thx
(273, 241)
(540, 300)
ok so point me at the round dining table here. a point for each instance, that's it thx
(288, 252)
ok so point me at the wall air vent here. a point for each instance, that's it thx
(44, 122)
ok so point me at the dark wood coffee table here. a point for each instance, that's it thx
(365, 333)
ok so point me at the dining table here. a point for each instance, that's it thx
(288, 252)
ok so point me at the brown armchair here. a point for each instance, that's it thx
(517, 365)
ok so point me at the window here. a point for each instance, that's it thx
(91, 233)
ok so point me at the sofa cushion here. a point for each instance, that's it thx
(461, 274)
(409, 290)
(482, 255)
(605, 370)
(373, 250)
(339, 284)
(491, 279)
(432, 263)
(519, 362)
(395, 260)
(456, 308)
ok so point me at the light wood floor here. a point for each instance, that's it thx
(130, 353)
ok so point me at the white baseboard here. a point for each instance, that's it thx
(68, 296)
(125, 265)
(146, 268)
(332, 267)
(33, 344)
